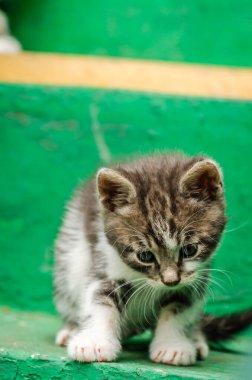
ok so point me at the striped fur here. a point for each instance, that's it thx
(105, 292)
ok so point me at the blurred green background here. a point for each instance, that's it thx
(203, 31)
(49, 144)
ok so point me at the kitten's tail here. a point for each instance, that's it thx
(221, 328)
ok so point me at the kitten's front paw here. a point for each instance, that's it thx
(85, 347)
(173, 353)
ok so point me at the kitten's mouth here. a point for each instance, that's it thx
(155, 283)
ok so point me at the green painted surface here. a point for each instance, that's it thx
(48, 144)
(27, 351)
(207, 31)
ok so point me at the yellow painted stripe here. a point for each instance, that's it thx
(127, 74)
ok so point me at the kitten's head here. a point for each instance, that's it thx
(164, 215)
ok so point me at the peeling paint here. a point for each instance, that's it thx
(33, 356)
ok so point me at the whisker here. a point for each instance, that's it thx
(221, 271)
(212, 281)
(126, 283)
(139, 289)
(239, 227)
(207, 289)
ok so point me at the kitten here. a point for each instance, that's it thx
(134, 252)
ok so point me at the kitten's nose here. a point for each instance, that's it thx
(170, 277)
(172, 283)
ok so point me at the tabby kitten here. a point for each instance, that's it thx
(134, 252)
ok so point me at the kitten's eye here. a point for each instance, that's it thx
(146, 257)
(189, 250)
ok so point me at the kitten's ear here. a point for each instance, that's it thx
(203, 180)
(115, 191)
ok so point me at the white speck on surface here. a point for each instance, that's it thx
(33, 356)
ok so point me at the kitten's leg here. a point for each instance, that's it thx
(99, 336)
(172, 343)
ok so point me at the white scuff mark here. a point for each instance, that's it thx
(103, 149)
(47, 266)
(33, 356)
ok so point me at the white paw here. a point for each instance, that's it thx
(173, 353)
(64, 335)
(201, 346)
(86, 347)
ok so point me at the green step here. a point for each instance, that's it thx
(50, 141)
(27, 351)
